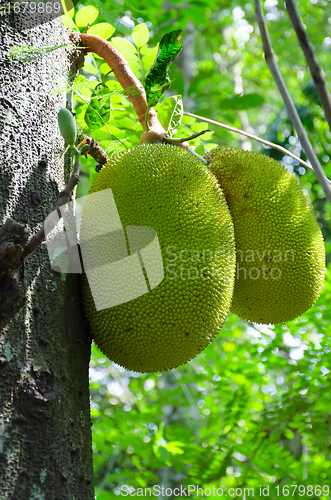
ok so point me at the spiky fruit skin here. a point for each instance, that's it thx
(279, 247)
(168, 189)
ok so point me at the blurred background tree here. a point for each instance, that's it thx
(253, 408)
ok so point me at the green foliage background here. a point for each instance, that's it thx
(252, 409)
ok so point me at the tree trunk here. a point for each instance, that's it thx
(45, 447)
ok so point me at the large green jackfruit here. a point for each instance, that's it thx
(279, 247)
(167, 189)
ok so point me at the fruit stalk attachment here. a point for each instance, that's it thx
(255, 138)
(153, 130)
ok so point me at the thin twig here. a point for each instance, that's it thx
(175, 140)
(291, 109)
(188, 148)
(312, 61)
(254, 137)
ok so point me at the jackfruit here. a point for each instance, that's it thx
(167, 189)
(280, 255)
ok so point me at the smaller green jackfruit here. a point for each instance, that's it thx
(67, 126)
(279, 246)
(167, 189)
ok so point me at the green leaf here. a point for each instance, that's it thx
(141, 481)
(68, 22)
(104, 30)
(157, 80)
(148, 57)
(149, 51)
(90, 68)
(288, 433)
(188, 120)
(199, 127)
(163, 453)
(170, 114)
(124, 46)
(98, 110)
(68, 8)
(128, 51)
(242, 102)
(86, 15)
(114, 147)
(174, 447)
(200, 150)
(136, 462)
(104, 68)
(140, 35)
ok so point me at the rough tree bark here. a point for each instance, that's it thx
(45, 427)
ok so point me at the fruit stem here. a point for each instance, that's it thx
(175, 140)
(254, 137)
(153, 130)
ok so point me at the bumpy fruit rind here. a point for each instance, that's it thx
(280, 251)
(168, 189)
